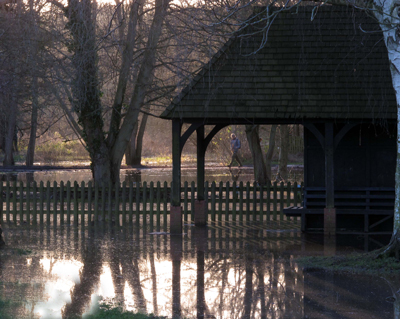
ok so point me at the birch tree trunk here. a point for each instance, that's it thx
(387, 14)
(253, 138)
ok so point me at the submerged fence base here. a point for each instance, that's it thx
(128, 202)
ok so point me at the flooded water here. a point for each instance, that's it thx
(221, 271)
(150, 174)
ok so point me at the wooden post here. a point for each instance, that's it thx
(176, 209)
(8, 201)
(329, 211)
(130, 202)
(90, 191)
(213, 194)
(123, 203)
(227, 192)
(34, 203)
(158, 207)
(200, 207)
(62, 202)
(76, 203)
(68, 202)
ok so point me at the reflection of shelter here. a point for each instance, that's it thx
(324, 73)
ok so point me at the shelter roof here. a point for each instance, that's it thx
(334, 67)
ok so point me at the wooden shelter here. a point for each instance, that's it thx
(328, 71)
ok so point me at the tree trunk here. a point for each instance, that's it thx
(11, 124)
(30, 155)
(270, 152)
(387, 15)
(137, 158)
(133, 153)
(253, 138)
(130, 149)
(283, 153)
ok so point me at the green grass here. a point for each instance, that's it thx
(108, 312)
(365, 263)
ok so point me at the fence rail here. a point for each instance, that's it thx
(149, 202)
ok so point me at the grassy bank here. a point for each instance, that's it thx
(363, 263)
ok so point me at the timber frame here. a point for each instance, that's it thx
(321, 74)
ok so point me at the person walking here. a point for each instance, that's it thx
(235, 147)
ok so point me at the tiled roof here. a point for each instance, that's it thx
(334, 67)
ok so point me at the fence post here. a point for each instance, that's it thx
(82, 211)
(275, 195)
(261, 215)
(165, 204)
(241, 189)
(28, 202)
(41, 202)
(288, 196)
(192, 199)
(21, 202)
(227, 191)
(123, 202)
(220, 193)
(234, 200)
(254, 201)
(75, 203)
(151, 199)
(68, 202)
(137, 184)
(96, 202)
(61, 202)
(282, 200)
(130, 202)
(268, 200)
(158, 205)
(213, 190)
(247, 201)
(34, 191)
(48, 189)
(54, 203)
(185, 201)
(144, 202)
(15, 201)
(90, 193)
(8, 201)
(206, 201)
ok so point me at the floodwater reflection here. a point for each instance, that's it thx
(221, 271)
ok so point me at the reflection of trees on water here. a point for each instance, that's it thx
(89, 278)
(241, 277)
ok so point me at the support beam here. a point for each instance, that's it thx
(176, 210)
(201, 152)
(329, 211)
(200, 208)
(329, 166)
